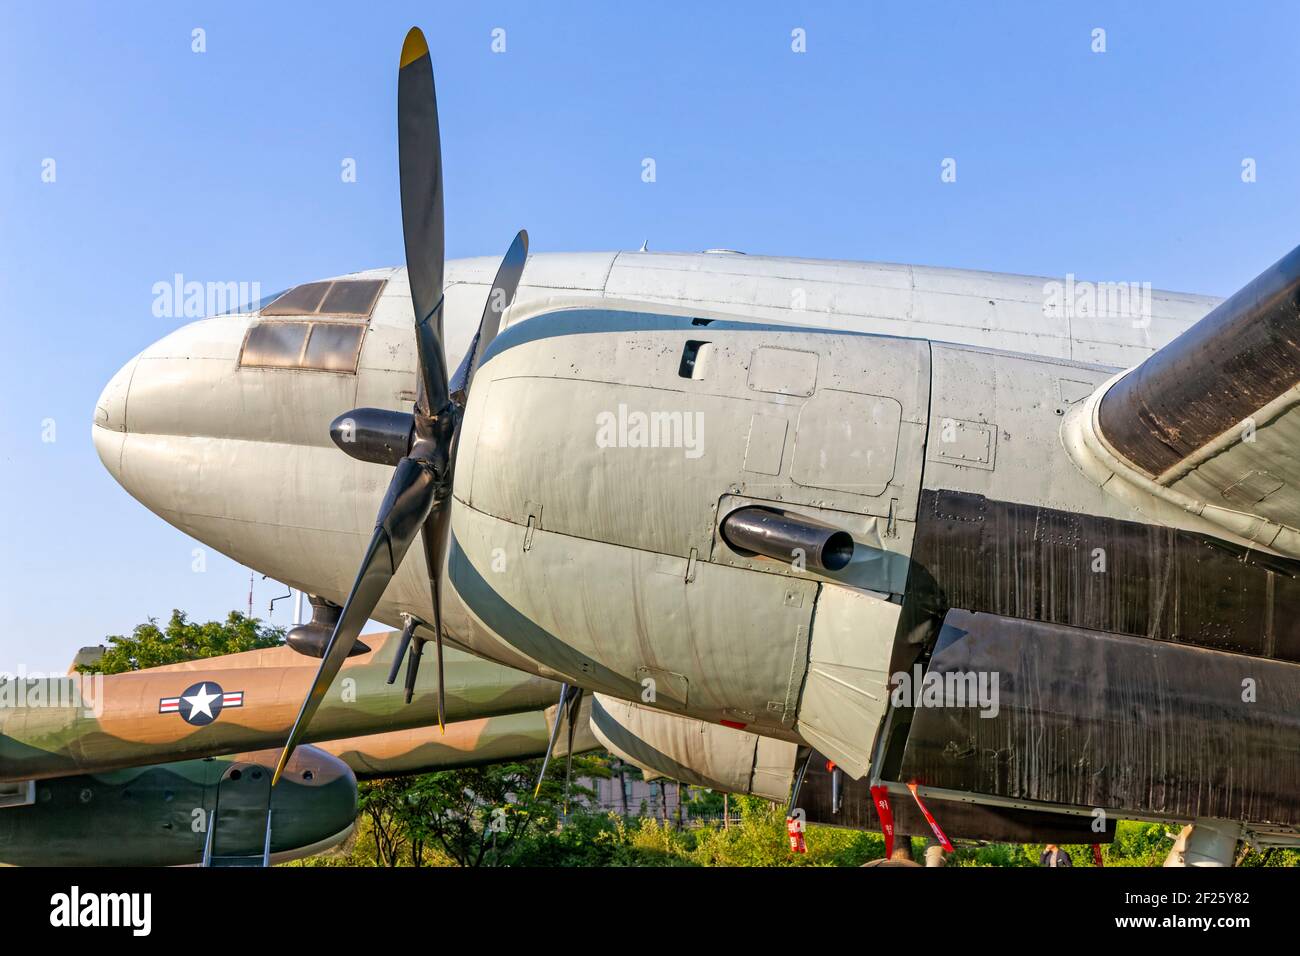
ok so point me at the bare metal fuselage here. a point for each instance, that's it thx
(906, 405)
(240, 458)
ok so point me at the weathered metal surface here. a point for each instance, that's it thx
(633, 427)
(1232, 363)
(1011, 312)
(1045, 564)
(788, 538)
(241, 458)
(694, 752)
(960, 820)
(597, 591)
(845, 693)
(630, 620)
(1110, 721)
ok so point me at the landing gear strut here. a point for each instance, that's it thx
(1206, 843)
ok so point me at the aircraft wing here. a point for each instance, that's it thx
(1204, 432)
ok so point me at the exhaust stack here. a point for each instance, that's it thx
(782, 536)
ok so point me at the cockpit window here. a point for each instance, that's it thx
(275, 344)
(324, 346)
(333, 347)
(349, 297)
(256, 305)
(300, 300)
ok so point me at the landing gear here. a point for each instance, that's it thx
(934, 853)
(1206, 843)
(413, 662)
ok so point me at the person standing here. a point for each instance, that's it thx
(1053, 855)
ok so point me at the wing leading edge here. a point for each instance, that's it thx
(1204, 431)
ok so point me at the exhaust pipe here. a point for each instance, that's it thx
(781, 536)
(310, 639)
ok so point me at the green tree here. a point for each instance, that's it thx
(182, 640)
(382, 803)
(475, 816)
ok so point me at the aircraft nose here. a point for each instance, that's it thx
(109, 428)
(110, 410)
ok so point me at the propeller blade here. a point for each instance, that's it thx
(419, 151)
(436, 528)
(405, 506)
(442, 688)
(555, 733)
(575, 705)
(421, 481)
(500, 296)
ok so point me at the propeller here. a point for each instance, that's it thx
(572, 721)
(416, 502)
(499, 298)
(566, 711)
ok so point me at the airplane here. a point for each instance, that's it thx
(171, 760)
(140, 753)
(174, 774)
(247, 701)
(782, 497)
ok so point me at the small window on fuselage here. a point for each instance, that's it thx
(275, 344)
(333, 346)
(354, 298)
(322, 346)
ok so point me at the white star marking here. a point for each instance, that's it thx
(200, 703)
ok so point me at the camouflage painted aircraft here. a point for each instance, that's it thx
(238, 703)
(994, 536)
(214, 810)
(86, 756)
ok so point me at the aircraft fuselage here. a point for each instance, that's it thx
(634, 400)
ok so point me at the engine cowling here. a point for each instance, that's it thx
(602, 451)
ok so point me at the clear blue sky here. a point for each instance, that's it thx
(225, 166)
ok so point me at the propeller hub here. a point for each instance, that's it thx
(374, 434)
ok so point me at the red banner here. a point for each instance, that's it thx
(938, 833)
(880, 797)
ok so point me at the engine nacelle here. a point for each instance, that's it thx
(600, 455)
(705, 755)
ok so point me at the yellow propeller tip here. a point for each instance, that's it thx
(279, 767)
(414, 47)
